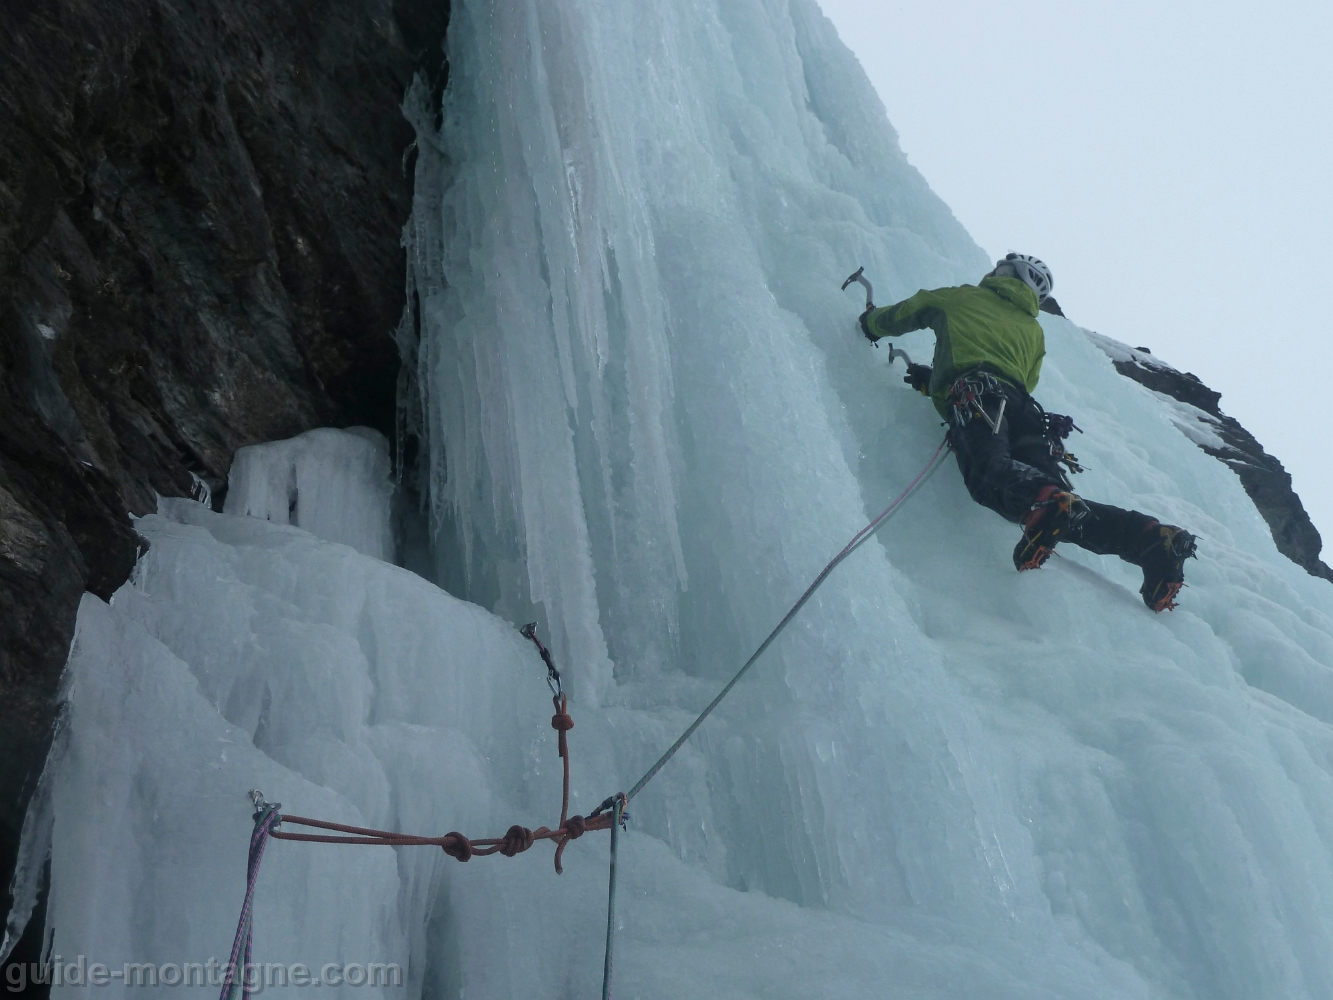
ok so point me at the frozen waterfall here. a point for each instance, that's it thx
(648, 420)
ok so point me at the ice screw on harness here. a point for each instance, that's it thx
(1058, 427)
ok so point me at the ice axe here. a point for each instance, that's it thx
(859, 276)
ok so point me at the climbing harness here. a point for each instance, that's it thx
(1056, 427)
(967, 400)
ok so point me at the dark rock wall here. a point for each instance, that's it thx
(1265, 480)
(200, 210)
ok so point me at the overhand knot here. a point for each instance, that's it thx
(516, 840)
(562, 721)
(457, 846)
(574, 827)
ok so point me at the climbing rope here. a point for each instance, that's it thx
(618, 814)
(266, 818)
(936, 460)
(516, 839)
(851, 547)
(610, 815)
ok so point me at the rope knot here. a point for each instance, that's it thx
(457, 846)
(574, 827)
(516, 840)
(562, 721)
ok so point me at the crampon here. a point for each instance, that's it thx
(1049, 521)
(1163, 564)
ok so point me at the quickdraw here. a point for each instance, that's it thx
(1066, 458)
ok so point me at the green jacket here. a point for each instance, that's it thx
(992, 325)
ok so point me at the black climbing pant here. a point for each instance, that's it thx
(1006, 458)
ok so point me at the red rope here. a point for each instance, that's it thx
(516, 840)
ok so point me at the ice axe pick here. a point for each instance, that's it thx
(859, 276)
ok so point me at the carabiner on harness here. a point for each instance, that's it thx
(965, 397)
(1056, 427)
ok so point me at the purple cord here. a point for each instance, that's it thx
(265, 820)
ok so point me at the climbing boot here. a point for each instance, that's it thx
(1163, 562)
(1049, 520)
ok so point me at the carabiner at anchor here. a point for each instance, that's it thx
(529, 631)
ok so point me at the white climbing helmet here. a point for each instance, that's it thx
(1031, 272)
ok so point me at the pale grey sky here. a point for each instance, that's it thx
(1170, 161)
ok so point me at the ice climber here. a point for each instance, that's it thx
(988, 351)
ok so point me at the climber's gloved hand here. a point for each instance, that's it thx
(865, 326)
(1059, 426)
(918, 377)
